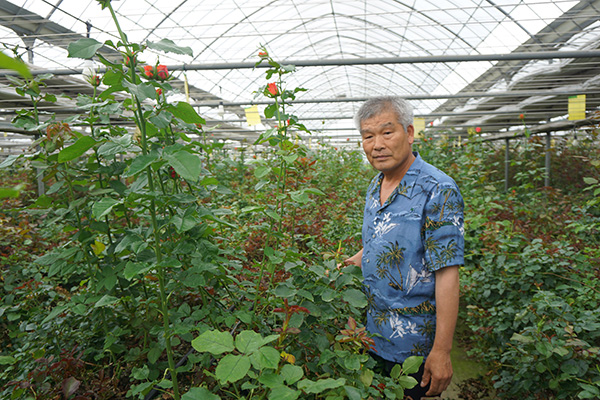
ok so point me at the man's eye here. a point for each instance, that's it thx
(387, 133)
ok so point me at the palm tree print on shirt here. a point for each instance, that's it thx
(387, 260)
(447, 192)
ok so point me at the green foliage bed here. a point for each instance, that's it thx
(155, 264)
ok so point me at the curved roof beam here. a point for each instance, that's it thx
(248, 87)
(425, 16)
(306, 23)
(230, 28)
(514, 21)
(167, 16)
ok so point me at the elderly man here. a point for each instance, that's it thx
(412, 246)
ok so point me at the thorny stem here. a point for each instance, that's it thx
(141, 123)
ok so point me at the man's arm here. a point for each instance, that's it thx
(355, 259)
(438, 366)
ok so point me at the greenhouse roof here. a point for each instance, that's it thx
(463, 63)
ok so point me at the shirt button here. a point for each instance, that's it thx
(367, 260)
(373, 236)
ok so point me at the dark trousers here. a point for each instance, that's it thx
(415, 393)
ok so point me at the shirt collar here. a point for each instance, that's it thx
(407, 184)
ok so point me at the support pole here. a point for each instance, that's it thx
(547, 173)
(506, 163)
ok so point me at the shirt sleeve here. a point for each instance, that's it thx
(443, 227)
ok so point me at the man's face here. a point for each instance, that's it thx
(386, 143)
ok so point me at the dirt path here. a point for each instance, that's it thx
(464, 368)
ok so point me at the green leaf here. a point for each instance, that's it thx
(185, 222)
(106, 300)
(103, 207)
(133, 269)
(232, 368)
(10, 160)
(355, 297)
(300, 196)
(367, 377)
(6, 192)
(186, 164)
(270, 110)
(199, 393)
(407, 382)
(209, 180)
(130, 241)
(142, 91)
(214, 342)
(352, 362)
(168, 46)
(7, 360)
(84, 48)
(353, 393)
(140, 373)
(540, 367)
(186, 113)
(411, 364)
(77, 149)
(590, 181)
(522, 339)
(284, 393)
(140, 163)
(561, 351)
(248, 342)
(291, 373)
(7, 62)
(55, 311)
(321, 385)
(284, 291)
(314, 191)
(273, 215)
(266, 357)
(261, 171)
(590, 391)
(271, 380)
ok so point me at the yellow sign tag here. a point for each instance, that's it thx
(252, 116)
(577, 107)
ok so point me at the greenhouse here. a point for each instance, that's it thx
(227, 200)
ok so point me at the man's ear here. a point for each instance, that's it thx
(410, 131)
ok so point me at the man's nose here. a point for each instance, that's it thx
(378, 143)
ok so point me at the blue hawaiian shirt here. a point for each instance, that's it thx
(417, 231)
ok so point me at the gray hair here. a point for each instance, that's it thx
(378, 105)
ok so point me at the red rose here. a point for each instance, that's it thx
(478, 129)
(130, 61)
(162, 71)
(95, 80)
(272, 87)
(521, 116)
(263, 54)
(159, 91)
(149, 71)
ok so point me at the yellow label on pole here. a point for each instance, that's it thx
(577, 107)
(252, 116)
(419, 125)
(186, 87)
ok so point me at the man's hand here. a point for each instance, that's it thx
(438, 372)
(355, 259)
(438, 366)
